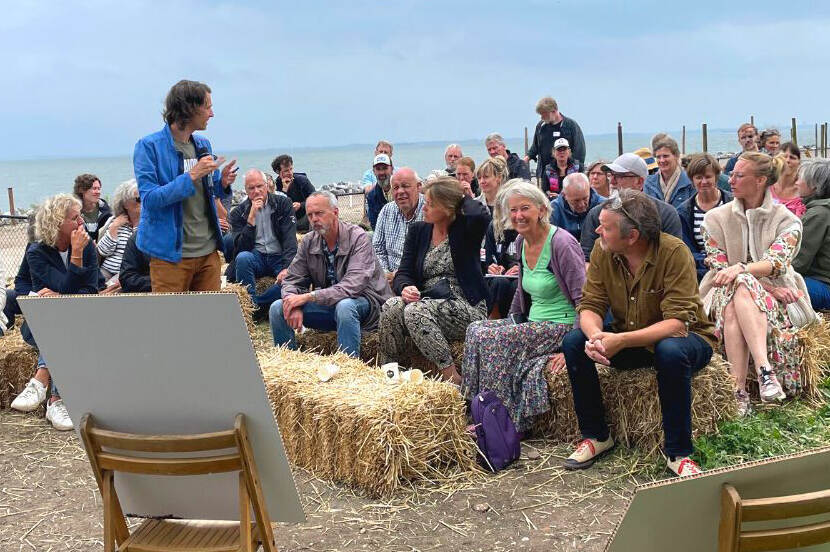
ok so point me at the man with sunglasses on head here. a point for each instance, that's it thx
(647, 279)
(628, 172)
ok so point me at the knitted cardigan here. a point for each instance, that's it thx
(737, 231)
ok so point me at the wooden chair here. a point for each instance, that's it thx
(108, 453)
(735, 511)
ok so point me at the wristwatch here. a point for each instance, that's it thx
(313, 296)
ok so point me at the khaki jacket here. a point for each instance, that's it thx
(665, 287)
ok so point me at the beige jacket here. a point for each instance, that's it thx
(747, 235)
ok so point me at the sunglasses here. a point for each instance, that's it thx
(617, 205)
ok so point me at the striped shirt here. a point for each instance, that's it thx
(390, 233)
(112, 250)
(699, 214)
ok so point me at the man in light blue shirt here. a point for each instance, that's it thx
(396, 217)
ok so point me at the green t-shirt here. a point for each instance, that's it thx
(548, 303)
(199, 237)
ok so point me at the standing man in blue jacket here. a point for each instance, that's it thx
(178, 179)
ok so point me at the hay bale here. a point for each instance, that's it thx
(325, 343)
(262, 284)
(18, 362)
(632, 405)
(245, 302)
(357, 429)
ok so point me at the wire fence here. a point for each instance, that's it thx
(13, 240)
(351, 207)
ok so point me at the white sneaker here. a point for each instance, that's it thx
(30, 398)
(57, 414)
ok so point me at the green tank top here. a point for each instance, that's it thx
(548, 303)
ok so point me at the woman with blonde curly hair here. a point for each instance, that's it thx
(63, 261)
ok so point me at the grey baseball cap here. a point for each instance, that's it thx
(628, 162)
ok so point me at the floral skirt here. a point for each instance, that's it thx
(510, 360)
(782, 341)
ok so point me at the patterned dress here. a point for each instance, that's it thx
(782, 343)
(431, 323)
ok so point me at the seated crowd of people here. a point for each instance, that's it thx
(647, 260)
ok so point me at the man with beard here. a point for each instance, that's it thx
(381, 193)
(349, 286)
(395, 218)
(647, 280)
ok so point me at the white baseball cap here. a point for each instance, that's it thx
(382, 159)
(561, 143)
(628, 162)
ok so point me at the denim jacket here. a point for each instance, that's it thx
(163, 186)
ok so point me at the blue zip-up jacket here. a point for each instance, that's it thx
(686, 212)
(683, 191)
(163, 186)
(564, 217)
(375, 200)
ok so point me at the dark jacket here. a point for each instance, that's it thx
(358, 270)
(669, 223)
(283, 224)
(164, 186)
(543, 140)
(682, 191)
(465, 236)
(375, 200)
(565, 264)
(516, 167)
(49, 271)
(500, 253)
(551, 181)
(135, 269)
(299, 191)
(564, 217)
(104, 213)
(23, 280)
(686, 212)
(813, 259)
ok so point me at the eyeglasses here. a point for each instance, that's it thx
(620, 176)
(137, 199)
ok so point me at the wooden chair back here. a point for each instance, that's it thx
(111, 451)
(735, 511)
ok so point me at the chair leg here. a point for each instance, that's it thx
(244, 514)
(109, 526)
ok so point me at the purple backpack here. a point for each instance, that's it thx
(496, 435)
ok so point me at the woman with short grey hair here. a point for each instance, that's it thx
(813, 259)
(509, 357)
(118, 230)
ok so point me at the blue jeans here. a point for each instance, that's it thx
(345, 317)
(251, 265)
(674, 358)
(819, 293)
(227, 245)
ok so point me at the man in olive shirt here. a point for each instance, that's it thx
(648, 280)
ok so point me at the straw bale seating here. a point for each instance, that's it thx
(632, 405)
(17, 366)
(359, 430)
(325, 343)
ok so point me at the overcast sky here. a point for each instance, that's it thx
(89, 78)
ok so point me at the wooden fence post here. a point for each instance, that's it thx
(619, 139)
(11, 200)
(525, 140)
(683, 141)
(794, 134)
(705, 139)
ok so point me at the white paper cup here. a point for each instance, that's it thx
(412, 376)
(327, 371)
(392, 372)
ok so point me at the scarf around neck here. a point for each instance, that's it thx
(668, 187)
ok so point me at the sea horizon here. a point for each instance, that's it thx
(34, 178)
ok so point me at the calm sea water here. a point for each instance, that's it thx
(35, 179)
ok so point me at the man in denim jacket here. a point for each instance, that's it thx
(178, 179)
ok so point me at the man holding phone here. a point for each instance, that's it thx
(178, 178)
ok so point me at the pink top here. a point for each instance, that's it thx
(794, 204)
